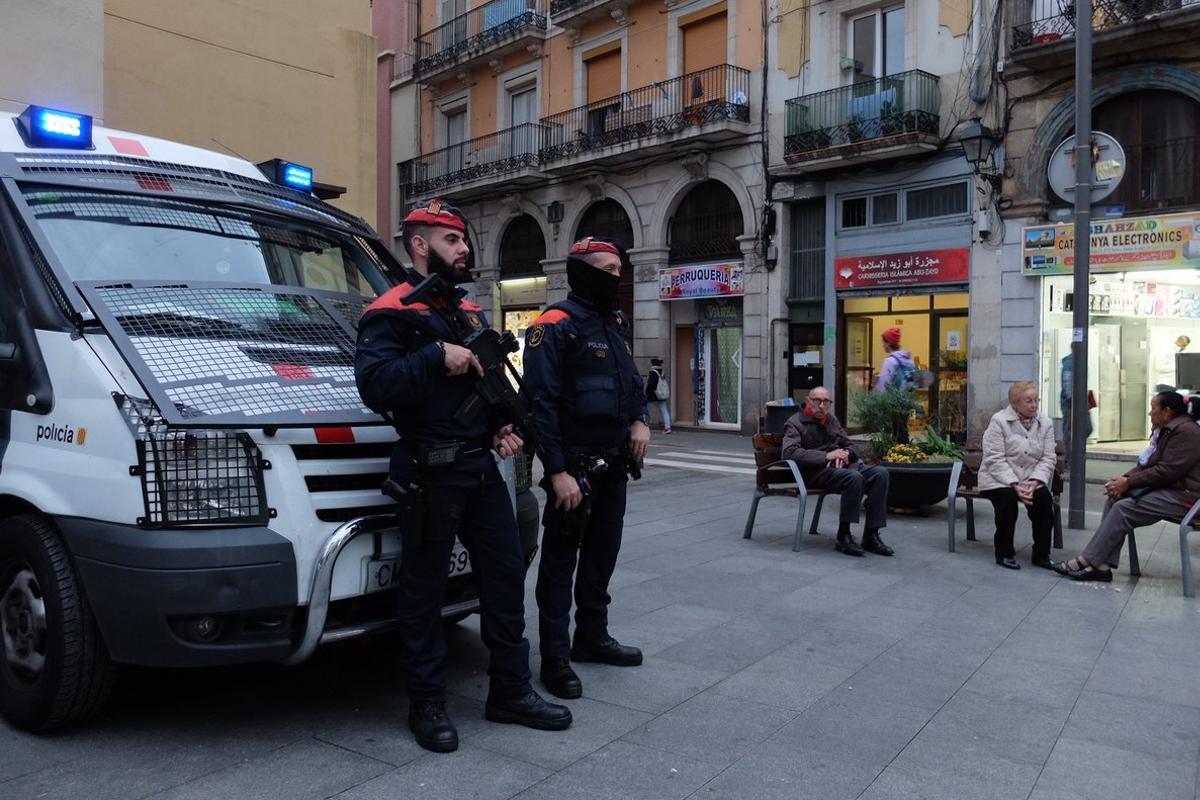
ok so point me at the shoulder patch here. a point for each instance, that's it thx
(551, 317)
(535, 336)
(393, 299)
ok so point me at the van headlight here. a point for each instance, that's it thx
(202, 477)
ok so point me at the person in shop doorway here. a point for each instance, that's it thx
(658, 392)
(898, 370)
(828, 459)
(1064, 402)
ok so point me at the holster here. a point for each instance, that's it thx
(410, 506)
(560, 523)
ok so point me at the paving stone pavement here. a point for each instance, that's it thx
(768, 674)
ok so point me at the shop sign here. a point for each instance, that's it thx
(1119, 245)
(903, 269)
(523, 292)
(720, 313)
(701, 280)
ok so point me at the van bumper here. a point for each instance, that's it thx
(148, 590)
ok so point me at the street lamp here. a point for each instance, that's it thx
(978, 143)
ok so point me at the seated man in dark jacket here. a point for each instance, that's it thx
(818, 443)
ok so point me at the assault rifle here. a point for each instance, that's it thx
(493, 391)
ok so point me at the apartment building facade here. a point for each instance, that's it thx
(876, 202)
(637, 120)
(1145, 257)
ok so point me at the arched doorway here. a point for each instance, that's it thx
(607, 219)
(704, 286)
(522, 284)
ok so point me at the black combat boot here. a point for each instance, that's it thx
(846, 543)
(606, 651)
(432, 728)
(560, 679)
(873, 543)
(530, 710)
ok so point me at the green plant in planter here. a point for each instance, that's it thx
(854, 131)
(938, 447)
(890, 119)
(882, 414)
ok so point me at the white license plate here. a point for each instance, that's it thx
(384, 573)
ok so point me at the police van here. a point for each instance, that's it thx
(188, 476)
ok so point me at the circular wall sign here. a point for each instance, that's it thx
(1108, 167)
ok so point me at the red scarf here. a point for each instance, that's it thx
(808, 412)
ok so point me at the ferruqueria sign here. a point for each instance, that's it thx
(903, 269)
(695, 281)
(1117, 245)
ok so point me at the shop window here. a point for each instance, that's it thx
(808, 250)
(522, 248)
(854, 212)
(885, 209)
(948, 200)
(1157, 130)
(955, 300)
(706, 225)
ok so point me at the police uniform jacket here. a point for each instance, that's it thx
(400, 370)
(587, 389)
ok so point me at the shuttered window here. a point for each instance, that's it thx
(604, 76)
(808, 250)
(705, 43)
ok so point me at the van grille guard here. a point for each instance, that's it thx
(203, 352)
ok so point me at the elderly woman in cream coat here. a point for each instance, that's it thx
(1017, 468)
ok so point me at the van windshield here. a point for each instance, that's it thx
(100, 236)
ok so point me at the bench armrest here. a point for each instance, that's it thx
(1191, 514)
(787, 462)
(955, 477)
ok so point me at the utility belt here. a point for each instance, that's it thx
(605, 461)
(447, 454)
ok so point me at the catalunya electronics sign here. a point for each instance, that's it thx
(701, 280)
(902, 269)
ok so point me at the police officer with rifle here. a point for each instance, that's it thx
(590, 409)
(418, 363)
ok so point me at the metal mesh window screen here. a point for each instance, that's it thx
(937, 201)
(201, 477)
(522, 248)
(236, 356)
(808, 250)
(707, 224)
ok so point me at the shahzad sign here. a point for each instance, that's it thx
(1118, 245)
(902, 269)
(701, 280)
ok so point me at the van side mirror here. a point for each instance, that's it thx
(8, 352)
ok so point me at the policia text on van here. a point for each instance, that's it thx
(187, 474)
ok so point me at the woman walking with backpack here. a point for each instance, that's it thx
(658, 392)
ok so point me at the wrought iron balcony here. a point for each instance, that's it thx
(871, 119)
(667, 110)
(479, 161)
(482, 33)
(1052, 21)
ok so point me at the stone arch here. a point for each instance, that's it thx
(504, 219)
(576, 210)
(1107, 85)
(670, 199)
(527, 226)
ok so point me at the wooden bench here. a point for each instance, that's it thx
(776, 477)
(964, 483)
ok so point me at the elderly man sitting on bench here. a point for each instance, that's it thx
(828, 460)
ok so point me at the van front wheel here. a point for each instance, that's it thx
(54, 668)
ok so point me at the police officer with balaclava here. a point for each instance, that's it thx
(590, 407)
(411, 367)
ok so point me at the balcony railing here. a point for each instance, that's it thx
(709, 95)
(1055, 19)
(476, 31)
(871, 113)
(497, 153)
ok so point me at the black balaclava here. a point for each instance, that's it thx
(592, 284)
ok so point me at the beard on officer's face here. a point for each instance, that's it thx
(456, 272)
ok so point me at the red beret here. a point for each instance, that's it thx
(590, 245)
(892, 336)
(439, 214)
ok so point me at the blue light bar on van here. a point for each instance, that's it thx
(48, 127)
(286, 173)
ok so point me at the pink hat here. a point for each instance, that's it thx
(892, 337)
